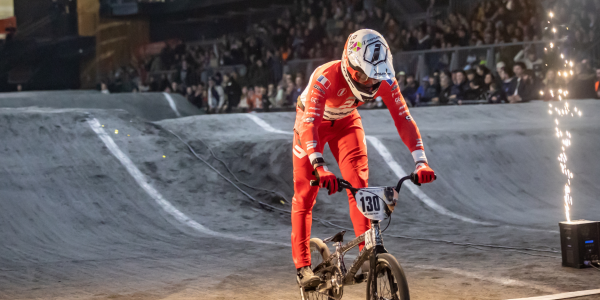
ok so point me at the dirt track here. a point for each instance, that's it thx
(74, 223)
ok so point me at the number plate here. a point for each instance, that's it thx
(370, 238)
(370, 204)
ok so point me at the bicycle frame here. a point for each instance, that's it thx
(337, 258)
(369, 251)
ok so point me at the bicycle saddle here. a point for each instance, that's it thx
(339, 237)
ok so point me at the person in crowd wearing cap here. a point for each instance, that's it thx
(500, 66)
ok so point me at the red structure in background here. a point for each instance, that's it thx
(8, 25)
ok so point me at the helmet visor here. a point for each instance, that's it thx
(359, 76)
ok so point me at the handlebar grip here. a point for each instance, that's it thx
(415, 178)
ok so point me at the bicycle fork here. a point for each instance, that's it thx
(378, 248)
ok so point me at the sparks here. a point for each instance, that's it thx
(563, 136)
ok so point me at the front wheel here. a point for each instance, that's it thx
(391, 282)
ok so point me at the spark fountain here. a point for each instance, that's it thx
(579, 239)
(562, 109)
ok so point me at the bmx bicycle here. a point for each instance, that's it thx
(385, 277)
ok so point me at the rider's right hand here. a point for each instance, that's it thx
(326, 179)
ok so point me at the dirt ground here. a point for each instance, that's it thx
(75, 223)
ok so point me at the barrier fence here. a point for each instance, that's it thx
(422, 63)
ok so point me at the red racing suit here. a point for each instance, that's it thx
(326, 113)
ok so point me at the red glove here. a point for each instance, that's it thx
(424, 173)
(326, 179)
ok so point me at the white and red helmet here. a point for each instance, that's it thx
(366, 53)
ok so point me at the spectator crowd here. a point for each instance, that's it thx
(247, 72)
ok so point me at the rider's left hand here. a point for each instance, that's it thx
(424, 173)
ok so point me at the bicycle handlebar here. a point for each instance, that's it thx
(343, 184)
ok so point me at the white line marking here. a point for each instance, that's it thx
(563, 295)
(397, 169)
(387, 157)
(266, 125)
(498, 280)
(142, 180)
(172, 104)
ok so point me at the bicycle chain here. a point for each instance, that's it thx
(341, 279)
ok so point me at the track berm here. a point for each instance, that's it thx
(75, 223)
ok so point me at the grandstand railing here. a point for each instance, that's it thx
(421, 63)
(204, 74)
(303, 66)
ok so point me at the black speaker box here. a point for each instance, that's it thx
(579, 242)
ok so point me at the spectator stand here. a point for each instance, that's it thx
(303, 66)
(423, 63)
(446, 36)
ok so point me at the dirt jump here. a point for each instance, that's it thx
(139, 197)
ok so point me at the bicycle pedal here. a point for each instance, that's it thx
(360, 277)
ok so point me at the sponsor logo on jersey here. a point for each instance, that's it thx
(333, 116)
(299, 152)
(342, 113)
(318, 88)
(408, 118)
(395, 87)
(313, 113)
(398, 100)
(323, 80)
(402, 110)
(316, 93)
(309, 120)
(341, 92)
(314, 108)
(311, 144)
(314, 100)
